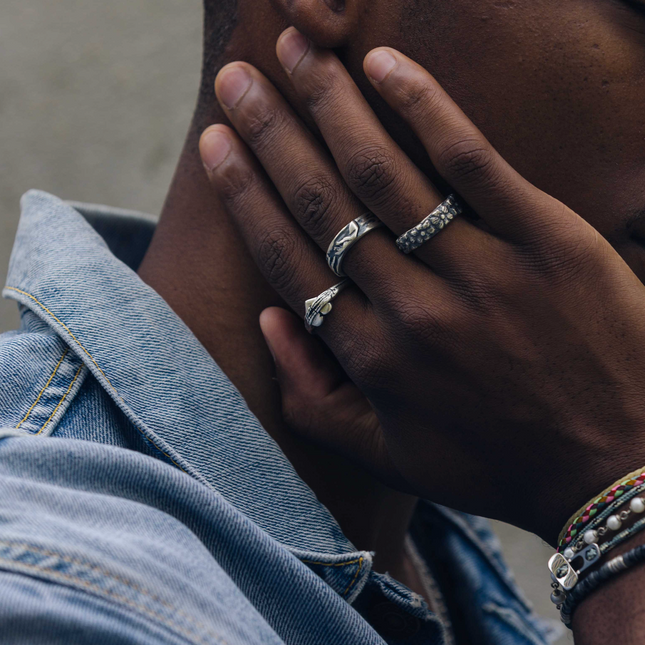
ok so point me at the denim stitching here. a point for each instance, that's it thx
(51, 378)
(341, 564)
(71, 385)
(40, 304)
(351, 584)
(332, 564)
(69, 331)
(99, 590)
(105, 592)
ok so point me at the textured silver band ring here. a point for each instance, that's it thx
(431, 225)
(346, 238)
(317, 308)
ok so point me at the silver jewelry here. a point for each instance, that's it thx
(431, 225)
(346, 238)
(317, 308)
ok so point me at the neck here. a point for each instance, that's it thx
(199, 264)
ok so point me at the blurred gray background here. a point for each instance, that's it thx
(95, 100)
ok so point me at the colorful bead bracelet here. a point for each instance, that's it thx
(614, 523)
(579, 541)
(566, 570)
(597, 506)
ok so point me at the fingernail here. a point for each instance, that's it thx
(292, 48)
(232, 85)
(214, 147)
(379, 64)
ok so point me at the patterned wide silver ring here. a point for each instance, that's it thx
(344, 241)
(431, 225)
(317, 308)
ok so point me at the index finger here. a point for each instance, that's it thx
(460, 153)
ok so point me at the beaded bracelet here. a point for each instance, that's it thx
(576, 544)
(599, 504)
(566, 578)
(622, 536)
(594, 580)
(633, 475)
(594, 552)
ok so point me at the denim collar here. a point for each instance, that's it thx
(67, 273)
(73, 266)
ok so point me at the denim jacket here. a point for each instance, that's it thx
(142, 502)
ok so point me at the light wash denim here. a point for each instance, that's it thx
(142, 502)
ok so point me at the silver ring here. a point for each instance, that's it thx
(317, 308)
(344, 241)
(431, 225)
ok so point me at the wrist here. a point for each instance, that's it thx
(615, 612)
(564, 498)
(600, 552)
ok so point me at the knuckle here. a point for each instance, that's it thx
(261, 126)
(323, 89)
(415, 95)
(371, 172)
(484, 295)
(234, 183)
(312, 202)
(467, 161)
(576, 250)
(367, 363)
(425, 325)
(415, 318)
(418, 322)
(277, 255)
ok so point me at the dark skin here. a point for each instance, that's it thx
(200, 265)
(587, 58)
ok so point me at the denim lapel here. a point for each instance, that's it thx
(162, 378)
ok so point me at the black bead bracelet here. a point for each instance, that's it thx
(594, 580)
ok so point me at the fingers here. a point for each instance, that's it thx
(372, 164)
(301, 170)
(458, 150)
(319, 402)
(287, 257)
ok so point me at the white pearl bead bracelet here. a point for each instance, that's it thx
(613, 523)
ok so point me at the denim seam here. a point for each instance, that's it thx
(136, 588)
(51, 378)
(341, 564)
(506, 578)
(69, 331)
(69, 389)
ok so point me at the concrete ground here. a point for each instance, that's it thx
(95, 99)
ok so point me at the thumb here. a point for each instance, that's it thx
(318, 400)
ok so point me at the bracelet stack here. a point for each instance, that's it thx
(606, 522)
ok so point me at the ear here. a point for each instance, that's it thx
(327, 23)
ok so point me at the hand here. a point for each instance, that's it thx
(503, 364)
